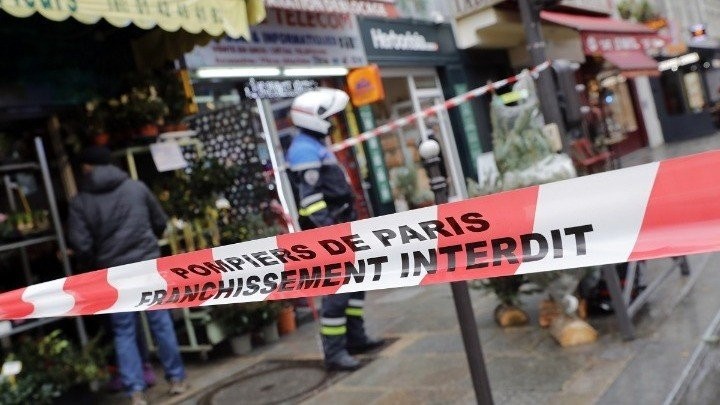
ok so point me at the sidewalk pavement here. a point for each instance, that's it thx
(426, 364)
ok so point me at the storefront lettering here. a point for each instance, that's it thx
(407, 41)
(627, 44)
(292, 18)
(182, 11)
(607, 43)
(119, 6)
(200, 13)
(273, 89)
(163, 8)
(54, 5)
(142, 6)
(288, 38)
(215, 13)
(356, 7)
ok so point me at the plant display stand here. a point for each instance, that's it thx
(190, 319)
(41, 166)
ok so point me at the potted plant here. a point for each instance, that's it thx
(139, 112)
(264, 316)
(286, 319)
(54, 367)
(234, 320)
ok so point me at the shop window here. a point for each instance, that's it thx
(619, 110)
(425, 82)
(694, 91)
(424, 9)
(672, 93)
(712, 81)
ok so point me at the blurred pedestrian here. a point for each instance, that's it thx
(115, 221)
(326, 198)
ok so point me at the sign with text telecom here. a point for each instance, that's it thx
(288, 38)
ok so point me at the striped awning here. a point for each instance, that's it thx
(215, 17)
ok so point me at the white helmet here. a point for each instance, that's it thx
(311, 110)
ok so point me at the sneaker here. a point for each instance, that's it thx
(138, 398)
(178, 387)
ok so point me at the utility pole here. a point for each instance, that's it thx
(530, 14)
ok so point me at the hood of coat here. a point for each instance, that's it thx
(103, 178)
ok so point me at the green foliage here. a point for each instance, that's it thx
(31, 389)
(507, 289)
(641, 11)
(238, 319)
(263, 313)
(234, 319)
(625, 8)
(485, 187)
(644, 11)
(252, 226)
(405, 182)
(131, 110)
(51, 366)
(189, 196)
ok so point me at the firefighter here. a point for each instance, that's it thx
(325, 198)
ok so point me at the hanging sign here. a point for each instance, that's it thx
(365, 85)
(406, 42)
(167, 156)
(288, 38)
(276, 89)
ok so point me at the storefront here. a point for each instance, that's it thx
(291, 52)
(615, 59)
(616, 70)
(687, 92)
(59, 66)
(420, 67)
(296, 50)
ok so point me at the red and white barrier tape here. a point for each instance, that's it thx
(656, 210)
(450, 103)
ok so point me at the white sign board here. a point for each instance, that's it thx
(288, 38)
(167, 156)
(10, 368)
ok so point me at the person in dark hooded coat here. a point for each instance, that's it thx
(113, 221)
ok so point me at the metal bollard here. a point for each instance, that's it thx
(430, 153)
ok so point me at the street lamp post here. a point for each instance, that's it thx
(530, 15)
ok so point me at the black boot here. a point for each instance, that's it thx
(336, 357)
(342, 362)
(368, 345)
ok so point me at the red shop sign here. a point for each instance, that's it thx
(600, 42)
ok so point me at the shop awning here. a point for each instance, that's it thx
(603, 34)
(214, 17)
(632, 63)
(591, 23)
